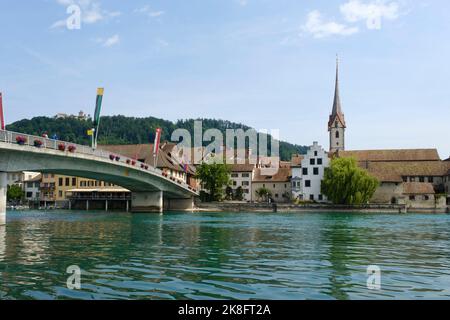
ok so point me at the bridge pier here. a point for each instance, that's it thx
(3, 190)
(147, 201)
(179, 204)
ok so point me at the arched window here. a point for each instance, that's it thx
(337, 134)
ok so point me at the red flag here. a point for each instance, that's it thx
(157, 141)
(2, 119)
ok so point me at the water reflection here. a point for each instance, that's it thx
(233, 256)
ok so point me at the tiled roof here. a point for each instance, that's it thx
(283, 175)
(406, 168)
(296, 160)
(418, 188)
(392, 155)
(242, 167)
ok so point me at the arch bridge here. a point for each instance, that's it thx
(151, 190)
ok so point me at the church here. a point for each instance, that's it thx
(417, 178)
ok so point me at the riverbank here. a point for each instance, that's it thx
(288, 207)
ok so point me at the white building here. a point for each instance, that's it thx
(313, 168)
(242, 176)
(296, 180)
(31, 186)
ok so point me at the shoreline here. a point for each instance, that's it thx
(319, 208)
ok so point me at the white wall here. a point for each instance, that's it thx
(317, 154)
(239, 179)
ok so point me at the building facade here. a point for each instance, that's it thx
(279, 185)
(313, 169)
(241, 177)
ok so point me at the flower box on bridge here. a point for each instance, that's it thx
(21, 140)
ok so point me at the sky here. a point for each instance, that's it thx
(269, 64)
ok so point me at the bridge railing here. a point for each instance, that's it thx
(47, 143)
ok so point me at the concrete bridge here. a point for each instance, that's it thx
(151, 190)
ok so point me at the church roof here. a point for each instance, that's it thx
(391, 155)
(395, 171)
(336, 113)
(418, 188)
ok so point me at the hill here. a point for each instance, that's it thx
(128, 130)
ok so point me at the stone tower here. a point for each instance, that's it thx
(336, 124)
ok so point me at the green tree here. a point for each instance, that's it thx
(239, 196)
(229, 193)
(346, 183)
(263, 194)
(14, 193)
(214, 177)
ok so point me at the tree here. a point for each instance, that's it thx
(229, 193)
(214, 178)
(346, 183)
(239, 196)
(263, 194)
(14, 193)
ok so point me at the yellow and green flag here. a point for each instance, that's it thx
(98, 106)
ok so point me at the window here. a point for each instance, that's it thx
(274, 186)
(315, 153)
(431, 179)
(405, 179)
(246, 191)
(60, 193)
(60, 182)
(245, 183)
(320, 197)
(421, 179)
(319, 161)
(234, 175)
(311, 197)
(234, 183)
(74, 181)
(246, 175)
(336, 124)
(316, 171)
(67, 182)
(276, 195)
(426, 198)
(312, 162)
(305, 171)
(29, 194)
(412, 198)
(308, 183)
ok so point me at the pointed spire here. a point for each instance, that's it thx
(337, 113)
(337, 100)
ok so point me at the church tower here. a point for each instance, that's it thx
(336, 124)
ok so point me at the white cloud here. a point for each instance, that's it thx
(321, 29)
(371, 12)
(242, 3)
(147, 10)
(115, 39)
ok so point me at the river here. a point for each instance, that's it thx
(224, 255)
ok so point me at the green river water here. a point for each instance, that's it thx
(224, 255)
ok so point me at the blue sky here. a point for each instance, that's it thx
(266, 63)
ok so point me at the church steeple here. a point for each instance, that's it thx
(336, 123)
